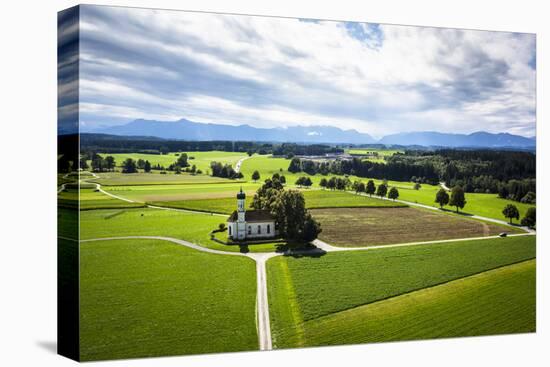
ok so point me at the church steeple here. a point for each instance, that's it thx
(241, 197)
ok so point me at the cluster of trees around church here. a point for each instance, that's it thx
(509, 174)
(293, 220)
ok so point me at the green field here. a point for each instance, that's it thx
(201, 159)
(303, 289)
(500, 301)
(144, 298)
(485, 205)
(92, 199)
(191, 227)
(150, 193)
(154, 178)
(314, 199)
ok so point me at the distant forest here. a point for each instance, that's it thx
(120, 144)
(508, 173)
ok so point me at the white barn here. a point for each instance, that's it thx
(250, 224)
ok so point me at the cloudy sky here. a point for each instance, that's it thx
(276, 72)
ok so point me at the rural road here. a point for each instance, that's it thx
(262, 305)
(239, 163)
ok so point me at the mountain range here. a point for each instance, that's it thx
(189, 130)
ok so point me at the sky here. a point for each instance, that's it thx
(276, 72)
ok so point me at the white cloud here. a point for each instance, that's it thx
(281, 72)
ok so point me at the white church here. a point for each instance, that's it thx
(250, 224)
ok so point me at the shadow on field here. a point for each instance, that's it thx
(301, 250)
(455, 212)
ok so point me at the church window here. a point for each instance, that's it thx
(259, 229)
(249, 229)
(268, 228)
(230, 230)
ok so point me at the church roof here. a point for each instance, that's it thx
(251, 216)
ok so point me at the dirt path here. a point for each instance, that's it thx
(239, 163)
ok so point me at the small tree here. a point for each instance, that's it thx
(323, 183)
(371, 188)
(442, 198)
(530, 218)
(147, 166)
(511, 211)
(129, 166)
(417, 186)
(140, 163)
(282, 179)
(221, 227)
(382, 190)
(393, 193)
(307, 182)
(182, 160)
(109, 162)
(256, 176)
(361, 187)
(457, 199)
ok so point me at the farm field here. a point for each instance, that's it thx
(191, 227)
(382, 226)
(92, 199)
(151, 193)
(203, 303)
(154, 178)
(305, 288)
(200, 159)
(314, 199)
(463, 307)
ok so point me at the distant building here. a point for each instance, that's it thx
(250, 224)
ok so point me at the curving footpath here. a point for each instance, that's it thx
(262, 305)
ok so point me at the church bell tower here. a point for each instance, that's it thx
(241, 197)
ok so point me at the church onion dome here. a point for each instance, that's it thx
(241, 194)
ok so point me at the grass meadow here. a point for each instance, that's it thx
(145, 298)
(200, 159)
(304, 288)
(191, 227)
(463, 307)
(382, 226)
(91, 199)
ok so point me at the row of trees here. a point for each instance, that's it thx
(224, 170)
(292, 219)
(399, 171)
(98, 163)
(456, 199)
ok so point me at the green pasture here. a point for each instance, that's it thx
(146, 298)
(314, 199)
(500, 301)
(267, 166)
(307, 288)
(485, 205)
(92, 199)
(200, 159)
(191, 227)
(154, 178)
